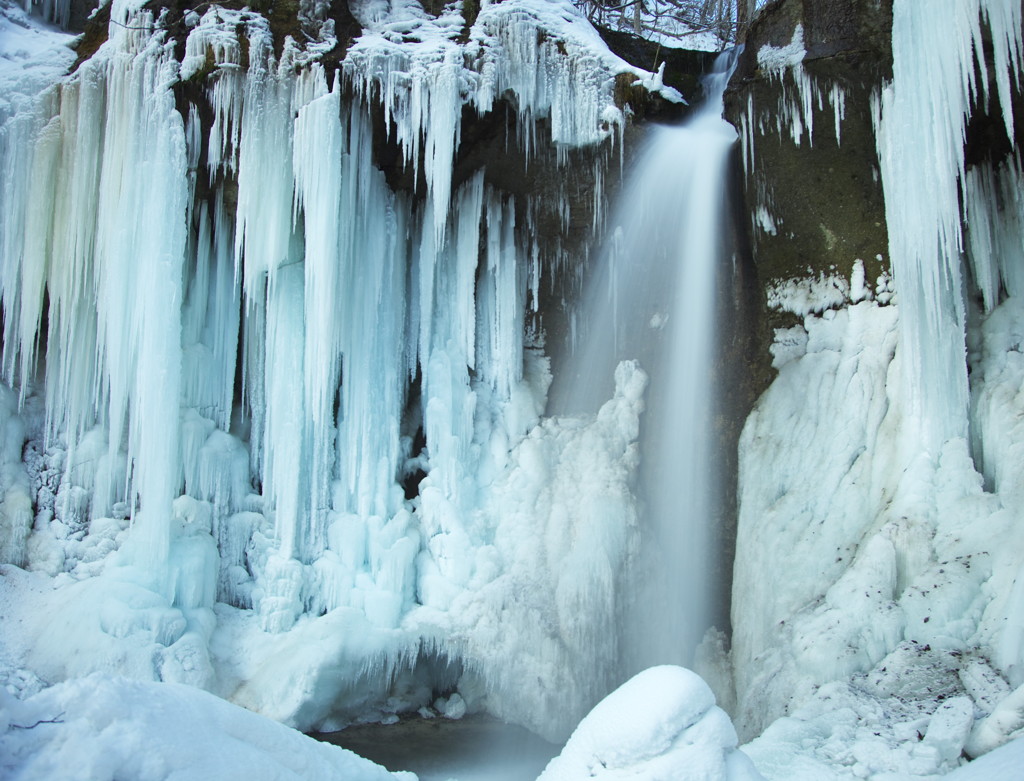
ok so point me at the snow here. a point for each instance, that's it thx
(1004, 762)
(105, 727)
(776, 58)
(810, 295)
(662, 723)
(33, 55)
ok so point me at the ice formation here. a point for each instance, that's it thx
(801, 95)
(273, 425)
(879, 552)
(285, 418)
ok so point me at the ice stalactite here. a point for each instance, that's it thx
(113, 282)
(56, 11)
(993, 218)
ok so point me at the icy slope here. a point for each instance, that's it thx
(103, 728)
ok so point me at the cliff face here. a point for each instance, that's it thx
(802, 98)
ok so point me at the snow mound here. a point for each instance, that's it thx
(662, 723)
(104, 727)
(1004, 762)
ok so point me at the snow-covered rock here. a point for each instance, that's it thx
(661, 724)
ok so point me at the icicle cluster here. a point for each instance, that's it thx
(801, 95)
(923, 115)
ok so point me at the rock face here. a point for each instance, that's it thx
(802, 100)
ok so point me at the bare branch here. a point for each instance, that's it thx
(55, 720)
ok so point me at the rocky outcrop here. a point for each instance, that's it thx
(802, 100)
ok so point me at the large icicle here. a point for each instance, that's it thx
(922, 115)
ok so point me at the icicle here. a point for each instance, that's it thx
(1004, 19)
(372, 403)
(502, 302)
(794, 112)
(284, 474)
(837, 98)
(318, 152)
(994, 216)
(264, 224)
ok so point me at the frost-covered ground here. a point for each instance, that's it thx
(33, 55)
(102, 728)
(898, 650)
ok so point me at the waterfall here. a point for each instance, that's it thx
(654, 297)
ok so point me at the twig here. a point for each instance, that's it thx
(55, 720)
(129, 27)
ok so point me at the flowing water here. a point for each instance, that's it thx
(655, 299)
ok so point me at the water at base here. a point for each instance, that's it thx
(655, 299)
(470, 749)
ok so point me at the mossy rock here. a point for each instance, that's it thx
(96, 29)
